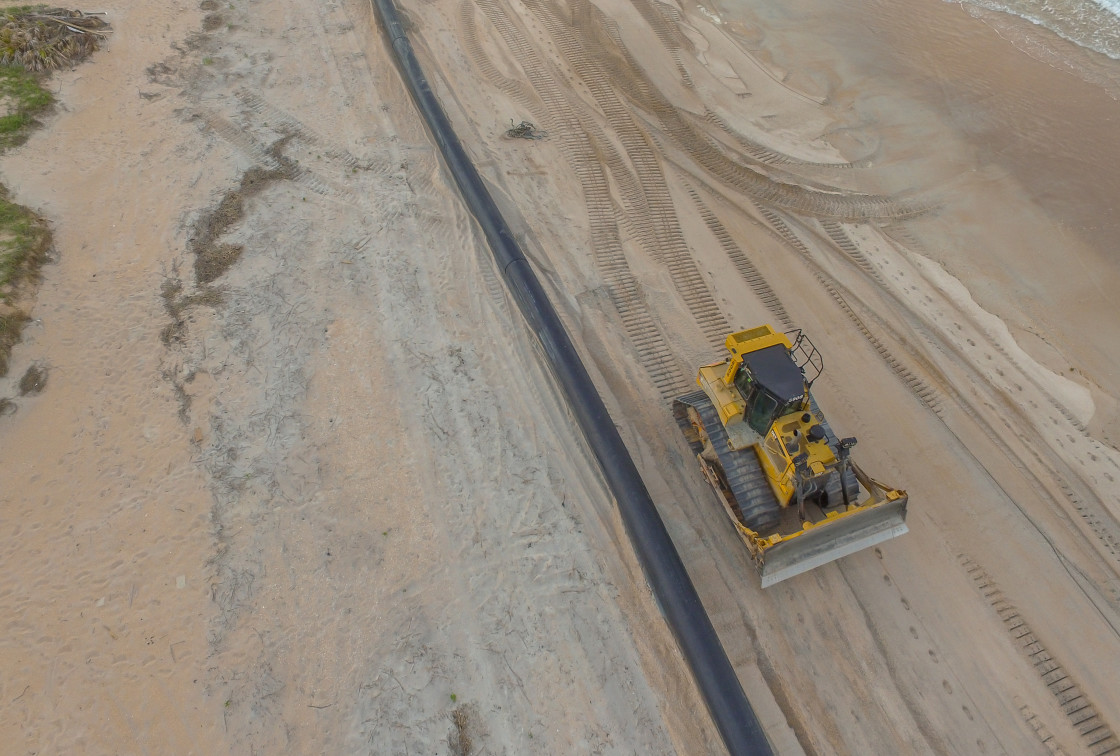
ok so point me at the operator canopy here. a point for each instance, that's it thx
(776, 372)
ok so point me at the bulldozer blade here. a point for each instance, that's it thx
(830, 541)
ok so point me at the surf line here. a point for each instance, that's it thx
(676, 595)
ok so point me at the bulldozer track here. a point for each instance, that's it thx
(245, 143)
(762, 153)
(621, 72)
(663, 20)
(925, 393)
(1097, 737)
(514, 89)
(837, 234)
(610, 258)
(754, 500)
(1040, 729)
(289, 124)
(660, 232)
(742, 263)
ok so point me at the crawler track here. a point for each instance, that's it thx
(753, 500)
(648, 197)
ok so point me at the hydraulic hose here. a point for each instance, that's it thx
(715, 678)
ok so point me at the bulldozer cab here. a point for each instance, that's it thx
(775, 379)
(772, 386)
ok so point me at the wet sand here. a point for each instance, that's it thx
(331, 502)
(1012, 127)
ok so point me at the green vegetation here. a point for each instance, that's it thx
(34, 40)
(25, 99)
(24, 241)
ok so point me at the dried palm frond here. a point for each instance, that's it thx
(39, 38)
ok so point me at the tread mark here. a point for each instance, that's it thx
(1096, 735)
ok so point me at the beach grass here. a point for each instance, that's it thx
(26, 99)
(24, 241)
(34, 40)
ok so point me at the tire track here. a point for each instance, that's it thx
(289, 124)
(925, 393)
(836, 232)
(667, 240)
(1040, 729)
(742, 263)
(620, 71)
(267, 156)
(514, 89)
(762, 153)
(1096, 734)
(664, 20)
(606, 245)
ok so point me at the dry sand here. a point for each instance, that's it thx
(331, 502)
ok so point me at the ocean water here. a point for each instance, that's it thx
(938, 89)
(1092, 24)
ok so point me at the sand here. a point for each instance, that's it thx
(330, 501)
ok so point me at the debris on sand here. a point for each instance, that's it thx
(33, 381)
(525, 130)
(39, 38)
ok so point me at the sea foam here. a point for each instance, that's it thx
(1092, 24)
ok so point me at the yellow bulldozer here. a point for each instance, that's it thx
(788, 484)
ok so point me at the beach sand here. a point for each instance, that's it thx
(327, 499)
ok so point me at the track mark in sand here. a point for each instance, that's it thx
(245, 143)
(658, 225)
(625, 293)
(762, 153)
(664, 20)
(1096, 735)
(851, 250)
(742, 263)
(925, 393)
(289, 124)
(1102, 528)
(1040, 729)
(514, 89)
(593, 46)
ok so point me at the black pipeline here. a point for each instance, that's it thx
(730, 710)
